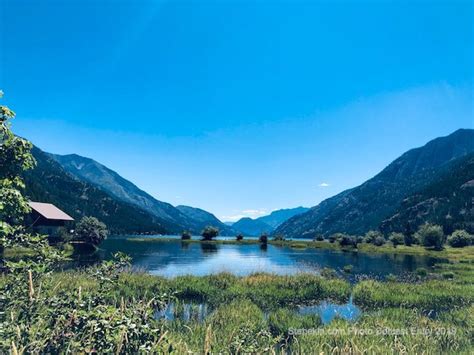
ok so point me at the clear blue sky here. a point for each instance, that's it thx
(238, 107)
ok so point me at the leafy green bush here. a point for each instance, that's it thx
(90, 230)
(396, 239)
(209, 233)
(379, 241)
(460, 239)
(347, 240)
(431, 235)
(370, 236)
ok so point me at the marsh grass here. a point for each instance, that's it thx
(255, 313)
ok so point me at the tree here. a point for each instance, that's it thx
(409, 235)
(185, 235)
(396, 239)
(370, 236)
(460, 239)
(15, 157)
(379, 241)
(91, 230)
(239, 237)
(263, 239)
(431, 235)
(347, 240)
(209, 233)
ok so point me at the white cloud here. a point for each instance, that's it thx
(324, 184)
(245, 213)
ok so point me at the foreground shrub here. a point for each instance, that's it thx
(460, 239)
(431, 235)
(76, 319)
(370, 236)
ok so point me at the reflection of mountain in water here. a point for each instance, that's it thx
(170, 258)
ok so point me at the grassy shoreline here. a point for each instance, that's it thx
(256, 313)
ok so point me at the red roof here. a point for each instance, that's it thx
(50, 211)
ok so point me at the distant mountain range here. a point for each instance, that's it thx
(266, 224)
(204, 218)
(433, 183)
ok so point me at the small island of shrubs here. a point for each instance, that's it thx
(431, 236)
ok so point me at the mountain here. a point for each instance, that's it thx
(367, 206)
(266, 224)
(447, 201)
(252, 227)
(205, 219)
(50, 182)
(276, 218)
(109, 181)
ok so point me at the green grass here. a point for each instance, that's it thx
(255, 313)
(268, 291)
(428, 295)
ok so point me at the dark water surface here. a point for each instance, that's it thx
(173, 258)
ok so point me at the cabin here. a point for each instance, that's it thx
(46, 218)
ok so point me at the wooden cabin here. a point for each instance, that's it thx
(46, 218)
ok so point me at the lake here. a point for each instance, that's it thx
(173, 258)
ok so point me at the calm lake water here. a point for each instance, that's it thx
(173, 258)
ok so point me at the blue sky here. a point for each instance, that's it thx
(238, 107)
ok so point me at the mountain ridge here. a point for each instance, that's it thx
(123, 189)
(49, 182)
(364, 207)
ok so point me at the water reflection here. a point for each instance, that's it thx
(172, 258)
(198, 312)
(328, 311)
(208, 248)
